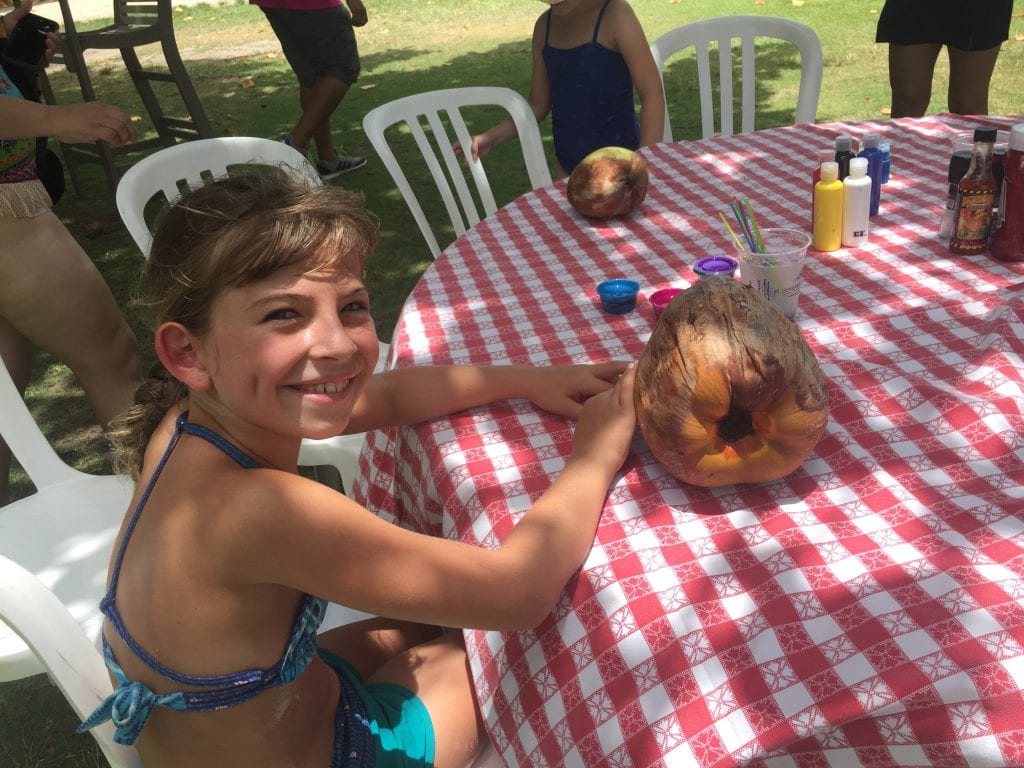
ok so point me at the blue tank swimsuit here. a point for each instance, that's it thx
(591, 98)
(131, 704)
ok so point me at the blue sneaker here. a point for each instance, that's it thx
(331, 169)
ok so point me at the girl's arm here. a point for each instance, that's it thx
(421, 393)
(290, 531)
(539, 99)
(632, 44)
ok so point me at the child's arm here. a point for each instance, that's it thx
(412, 395)
(290, 531)
(539, 100)
(632, 44)
(358, 12)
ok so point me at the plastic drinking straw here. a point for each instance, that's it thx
(752, 247)
(733, 234)
(753, 224)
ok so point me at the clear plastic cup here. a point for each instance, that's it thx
(776, 274)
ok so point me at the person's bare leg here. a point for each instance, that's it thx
(911, 68)
(970, 73)
(318, 104)
(16, 352)
(370, 643)
(438, 673)
(54, 296)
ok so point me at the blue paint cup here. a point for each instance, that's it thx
(618, 296)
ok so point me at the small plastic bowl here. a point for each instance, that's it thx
(716, 266)
(618, 296)
(660, 299)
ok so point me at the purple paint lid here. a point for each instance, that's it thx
(710, 266)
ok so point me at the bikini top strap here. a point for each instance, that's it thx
(600, 16)
(181, 425)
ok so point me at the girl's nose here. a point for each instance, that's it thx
(330, 338)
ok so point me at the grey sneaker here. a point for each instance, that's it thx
(331, 169)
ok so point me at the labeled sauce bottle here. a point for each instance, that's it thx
(975, 194)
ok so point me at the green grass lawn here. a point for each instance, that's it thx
(248, 89)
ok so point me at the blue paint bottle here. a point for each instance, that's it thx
(873, 154)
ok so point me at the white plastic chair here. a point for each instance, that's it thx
(63, 533)
(438, 108)
(175, 170)
(700, 35)
(63, 649)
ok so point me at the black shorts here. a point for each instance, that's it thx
(317, 43)
(969, 25)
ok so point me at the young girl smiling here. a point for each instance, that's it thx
(228, 557)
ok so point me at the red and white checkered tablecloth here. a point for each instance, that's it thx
(866, 610)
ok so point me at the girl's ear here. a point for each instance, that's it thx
(177, 349)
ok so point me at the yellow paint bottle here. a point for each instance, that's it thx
(827, 234)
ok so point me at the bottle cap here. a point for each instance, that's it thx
(984, 133)
(1017, 137)
(870, 140)
(843, 143)
(959, 163)
(886, 148)
(859, 166)
(830, 171)
(827, 155)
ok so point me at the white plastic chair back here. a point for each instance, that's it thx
(63, 533)
(72, 661)
(700, 35)
(441, 110)
(191, 164)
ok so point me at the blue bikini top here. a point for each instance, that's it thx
(591, 98)
(131, 704)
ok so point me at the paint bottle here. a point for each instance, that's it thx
(886, 148)
(856, 204)
(975, 194)
(827, 233)
(1008, 240)
(844, 154)
(824, 156)
(959, 162)
(873, 154)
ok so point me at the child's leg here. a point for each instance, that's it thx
(438, 673)
(433, 667)
(369, 644)
(318, 104)
(911, 68)
(969, 75)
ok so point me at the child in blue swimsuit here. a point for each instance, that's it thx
(588, 57)
(228, 557)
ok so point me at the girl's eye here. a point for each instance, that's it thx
(356, 306)
(280, 314)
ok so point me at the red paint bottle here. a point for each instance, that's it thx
(1008, 239)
